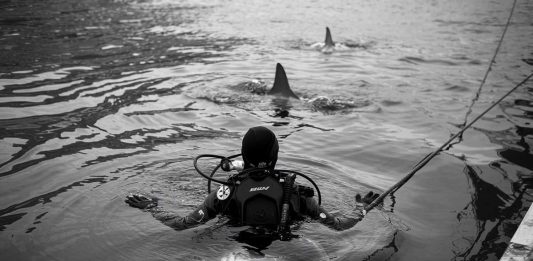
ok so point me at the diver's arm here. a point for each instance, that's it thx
(195, 218)
(203, 213)
(339, 222)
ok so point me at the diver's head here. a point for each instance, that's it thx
(259, 148)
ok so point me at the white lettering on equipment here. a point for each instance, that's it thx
(259, 188)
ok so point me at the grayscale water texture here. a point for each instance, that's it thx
(100, 98)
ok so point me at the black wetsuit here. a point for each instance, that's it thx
(301, 207)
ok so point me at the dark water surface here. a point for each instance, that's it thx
(102, 98)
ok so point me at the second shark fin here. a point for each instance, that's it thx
(328, 41)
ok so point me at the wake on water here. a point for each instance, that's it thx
(329, 46)
(248, 93)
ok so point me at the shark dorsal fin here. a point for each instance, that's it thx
(328, 41)
(281, 84)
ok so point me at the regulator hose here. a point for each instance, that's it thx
(210, 178)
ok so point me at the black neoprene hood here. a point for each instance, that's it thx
(259, 148)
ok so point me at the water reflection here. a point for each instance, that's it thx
(38, 131)
(493, 212)
(497, 207)
(6, 218)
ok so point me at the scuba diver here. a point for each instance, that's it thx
(259, 195)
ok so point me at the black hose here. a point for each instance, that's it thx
(195, 163)
(209, 181)
(216, 168)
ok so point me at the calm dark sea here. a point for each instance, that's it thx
(101, 98)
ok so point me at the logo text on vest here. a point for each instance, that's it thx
(259, 188)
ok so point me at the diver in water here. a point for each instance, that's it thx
(259, 196)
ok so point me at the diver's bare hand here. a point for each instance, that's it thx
(141, 201)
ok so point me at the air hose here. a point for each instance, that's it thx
(210, 177)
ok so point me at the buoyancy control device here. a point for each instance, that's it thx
(258, 200)
(260, 196)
